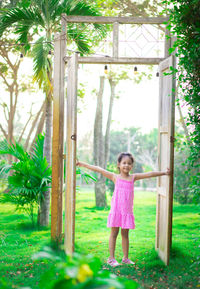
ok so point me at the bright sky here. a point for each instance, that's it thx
(136, 106)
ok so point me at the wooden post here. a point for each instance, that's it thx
(167, 42)
(71, 154)
(115, 39)
(58, 121)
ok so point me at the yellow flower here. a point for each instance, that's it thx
(112, 287)
(84, 272)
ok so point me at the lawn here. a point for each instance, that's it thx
(18, 242)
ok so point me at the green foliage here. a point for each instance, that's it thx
(142, 146)
(185, 24)
(28, 178)
(19, 242)
(109, 184)
(4, 284)
(183, 171)
(42, 19)
(78, 272)
(85, 176)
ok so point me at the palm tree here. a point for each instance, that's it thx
(37, 21)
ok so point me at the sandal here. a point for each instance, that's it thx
(112, 262)
(127, 261)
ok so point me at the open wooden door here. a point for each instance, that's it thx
(72, 67)
(165, 158)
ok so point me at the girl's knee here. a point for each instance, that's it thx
(114, 232)
(124, 233)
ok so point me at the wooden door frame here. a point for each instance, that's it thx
(166, 195)
(60, 59)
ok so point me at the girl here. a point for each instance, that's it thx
(121, 213)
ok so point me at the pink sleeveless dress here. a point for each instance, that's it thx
(121, 213)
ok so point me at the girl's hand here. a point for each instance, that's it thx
(168, 172)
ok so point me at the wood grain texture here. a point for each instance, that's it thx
(121, 20)
(58, 129)
(117, 60)
(70, 198)
(165, 160)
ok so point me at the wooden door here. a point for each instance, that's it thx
(165, 158)
(72, 69)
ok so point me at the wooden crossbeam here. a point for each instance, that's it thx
(121, 20)
(117, 60)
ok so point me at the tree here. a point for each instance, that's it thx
(101, 143)
(133, 8)
(42, 18)
(184, 24)
(10, 65)
(98, 147)
(9, 73)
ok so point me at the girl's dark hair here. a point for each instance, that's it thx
(122, 155)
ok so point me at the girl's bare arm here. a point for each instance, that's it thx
(97, 169)
(140, 176)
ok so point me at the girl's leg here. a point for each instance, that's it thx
(125, 242)
(112, 241)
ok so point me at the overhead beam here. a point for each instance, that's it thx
(116, 60)
(121, 20)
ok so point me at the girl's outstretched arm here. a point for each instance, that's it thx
(140, 176)
(97, 169)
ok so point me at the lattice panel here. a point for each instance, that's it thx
(143, 40)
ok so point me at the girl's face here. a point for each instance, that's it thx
(126, 165)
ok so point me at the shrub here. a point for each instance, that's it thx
(27, 178)
(78, 272)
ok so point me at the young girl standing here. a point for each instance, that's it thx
(121, 213)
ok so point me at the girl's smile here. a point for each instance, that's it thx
(126, 165)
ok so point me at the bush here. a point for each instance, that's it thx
(27, 178)
(184, 172)
(184, 25)
(78, 272)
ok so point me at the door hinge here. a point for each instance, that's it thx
(172, 139)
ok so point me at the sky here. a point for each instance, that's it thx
(136, 106)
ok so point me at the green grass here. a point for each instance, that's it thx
(18, 242)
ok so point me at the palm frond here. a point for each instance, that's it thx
(16, 150)
(4, 171)
(23, 16)
(41, 63)
(80, 38)
(79, 7)
(30, 177)
(37, 152)
(85, 176)
(48, 8)
(40, 53)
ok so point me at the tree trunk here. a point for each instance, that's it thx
(100, 190)
(107, 135)
(98, 150)
(34, 123)
(45, 203)
(39, 129)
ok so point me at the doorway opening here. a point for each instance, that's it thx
(165, 127)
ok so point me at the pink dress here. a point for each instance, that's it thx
(121, 213)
